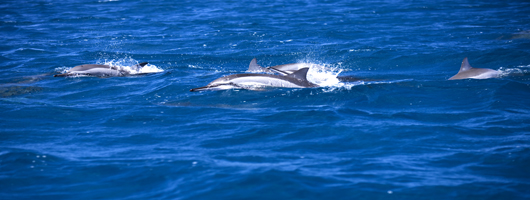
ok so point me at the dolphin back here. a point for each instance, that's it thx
(100, 70)
(92, 70)
(88, 66)
(466, 71)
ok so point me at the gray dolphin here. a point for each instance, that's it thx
(98, 70)
(247, 81)
(466, 71)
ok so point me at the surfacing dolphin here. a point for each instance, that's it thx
(99, 70)
(249, 81)
(466, 71)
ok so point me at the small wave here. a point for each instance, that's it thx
(360, 50)
(350, 85)
(519, 70)
(195, 67)
(5, 53)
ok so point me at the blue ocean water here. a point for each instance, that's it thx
(405, 132)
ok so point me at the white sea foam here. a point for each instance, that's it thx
(130, 65)
(325, 75)
(519, 70)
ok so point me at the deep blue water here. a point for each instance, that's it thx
(405, 133)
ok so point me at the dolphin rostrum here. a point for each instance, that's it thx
(248, 81)
(466, 71)
(99, 70)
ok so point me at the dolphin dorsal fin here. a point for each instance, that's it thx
(300, 74)
(143, 64)
(465, 65)
(254, 67)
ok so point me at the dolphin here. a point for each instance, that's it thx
(466, 71)
(248, 81)
(98, 70)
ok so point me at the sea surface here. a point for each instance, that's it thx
(403, 131)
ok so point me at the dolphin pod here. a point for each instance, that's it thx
(99, 70)
(292, 75)
(468, 72)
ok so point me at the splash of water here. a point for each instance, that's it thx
(130, 65)
(323, 75)
(326, 76)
